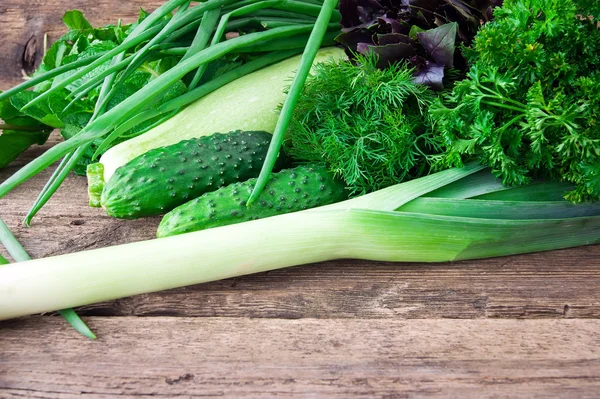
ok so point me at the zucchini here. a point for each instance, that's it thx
(288, 191)
(166, 177)
(247, 103)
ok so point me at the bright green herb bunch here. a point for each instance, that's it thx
(369, 125)
(530, 107)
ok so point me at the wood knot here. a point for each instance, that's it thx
(181, 378)
(29, 58)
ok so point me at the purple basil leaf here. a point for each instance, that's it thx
(348, 9)
(439, 42)
(464, 10)
(391, 53)
(431, 75)
(363, 48)
(357, 12)
(393, 23)
(392, 38)
(350, 39)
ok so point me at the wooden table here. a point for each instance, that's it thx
(521, 326)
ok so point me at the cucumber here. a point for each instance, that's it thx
(288, 191)
(166, 177)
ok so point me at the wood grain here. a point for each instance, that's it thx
(257, 358)
(24, 25)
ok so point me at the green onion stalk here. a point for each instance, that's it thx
(387, 225)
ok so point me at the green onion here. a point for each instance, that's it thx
(308, 57)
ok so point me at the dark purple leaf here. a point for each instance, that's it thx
(431, 75)
(393, 23)
(439, 42)
(349, 14)
(435, 27)
(389, 53)
(464, 10)
(352, 37)
(392, 38)
(363, 48)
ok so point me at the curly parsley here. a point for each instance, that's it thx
(530, 106)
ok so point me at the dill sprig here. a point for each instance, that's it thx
(369, 125)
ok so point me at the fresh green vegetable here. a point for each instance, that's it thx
(370, 126)
(529, 107)
(14, 142)
(248, 103)
(89, 97)
(16, 250)
(283, 121)
(288, 191)
(166, 177)
(367, 227)
(96, 183)
(80, 43)
(18, 132)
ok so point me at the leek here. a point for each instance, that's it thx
(19, 254)
(379, 226)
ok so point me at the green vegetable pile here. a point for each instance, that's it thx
(102, 86)
(529, 107)
(70, 101)
(414, 149)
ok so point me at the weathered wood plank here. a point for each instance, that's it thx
(252, 358)
(24, 24)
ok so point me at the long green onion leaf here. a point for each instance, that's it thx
(47, 186)
(106, 56)
(495, 209)
(49, 75)
(220, 30)
(57, 178)
(283, 122)
(14, 248)
(202, 37)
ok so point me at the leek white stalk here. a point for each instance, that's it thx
(362, 228)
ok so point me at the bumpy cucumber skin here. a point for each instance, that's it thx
(288, 191)
(166, 177)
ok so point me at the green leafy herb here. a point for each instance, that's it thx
(18, 133)
(529, 107)
(370, 126)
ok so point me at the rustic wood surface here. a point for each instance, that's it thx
(520, 326)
